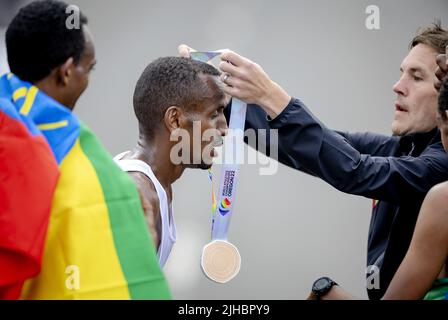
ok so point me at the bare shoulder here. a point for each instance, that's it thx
(439, 194)
(436, 202)
(147, 189)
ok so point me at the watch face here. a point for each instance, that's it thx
(321, 284)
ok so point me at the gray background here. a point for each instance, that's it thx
(289, 228)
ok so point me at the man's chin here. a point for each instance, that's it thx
(396, 133)
(397, 130)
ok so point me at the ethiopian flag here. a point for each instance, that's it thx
(97, 245)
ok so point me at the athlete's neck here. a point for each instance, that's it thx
(157, 156)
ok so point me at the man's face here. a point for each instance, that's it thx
(416, 104)
(208, 120)
(81, 71)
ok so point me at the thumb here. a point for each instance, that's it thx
(184, 51)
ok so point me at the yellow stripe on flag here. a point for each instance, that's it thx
(29, 100)
(53, 125)
(80, 246)
(19, 93)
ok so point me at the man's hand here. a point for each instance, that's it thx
(247, 81)
(442, 69)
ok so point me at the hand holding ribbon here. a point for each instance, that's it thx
(247, 81)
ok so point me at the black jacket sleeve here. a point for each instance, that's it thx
(371, 143)
(307, 144)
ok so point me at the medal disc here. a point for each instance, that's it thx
(220, 261)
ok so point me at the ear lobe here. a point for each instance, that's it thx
(66, 71)
(172, 118)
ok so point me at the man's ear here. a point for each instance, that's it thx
(174, 118)
(65, 71)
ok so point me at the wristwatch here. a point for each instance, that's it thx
(321, 287)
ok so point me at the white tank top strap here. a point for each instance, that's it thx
(169, 233)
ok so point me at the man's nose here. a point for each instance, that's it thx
(222, 126)
(224, 131)
(400, 87)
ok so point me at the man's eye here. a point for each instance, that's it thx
(218, 112)
(418, 78)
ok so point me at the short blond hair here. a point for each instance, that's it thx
(434, 36)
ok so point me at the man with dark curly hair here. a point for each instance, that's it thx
(57, 60)
(97, 244)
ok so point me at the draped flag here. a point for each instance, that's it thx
(28, 177)
(98, 245)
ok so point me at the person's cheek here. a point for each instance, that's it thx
(85, 80)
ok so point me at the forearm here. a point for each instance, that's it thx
(374, 144)
(264, 142)
(306, 143)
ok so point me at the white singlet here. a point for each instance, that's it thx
(168, 236)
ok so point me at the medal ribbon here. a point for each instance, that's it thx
(233, 148)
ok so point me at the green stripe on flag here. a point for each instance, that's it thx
(133, 243)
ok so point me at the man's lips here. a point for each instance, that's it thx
(399, 107)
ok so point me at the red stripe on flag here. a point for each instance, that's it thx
(28, 177)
